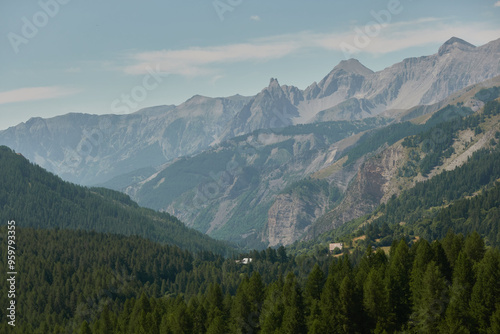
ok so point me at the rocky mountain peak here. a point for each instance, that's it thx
(274, 88)
(455, 43)
(196, 99)
(348, 75)
(273, 84)
(352, 66)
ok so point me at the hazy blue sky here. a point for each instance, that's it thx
(60, 56)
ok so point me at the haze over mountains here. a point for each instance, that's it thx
(214, 163)
(89, 149)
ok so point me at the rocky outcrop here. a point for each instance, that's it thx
(292, 215)
(269, 109)
(373, 184)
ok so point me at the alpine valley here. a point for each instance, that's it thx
(286, 164)
(368, 202)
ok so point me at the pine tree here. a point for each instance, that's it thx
(240, 310)
(85, 328)
(350, 310)
(423, 255)
(271, 316)
(179, 320)
(442, 260)
(495, 321)
(398, 284)
(474, 246)
(214, 303)
(293, 317)
(429, 309)
(375, 300)
(315, 282)
(452, 245)
(486, 291)
(217, 326)
(198, 314)
(457, 314)
(330, 303)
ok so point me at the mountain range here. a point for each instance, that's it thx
(268, 168)
(91, 149)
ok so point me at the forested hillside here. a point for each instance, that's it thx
(463, 200)
(402, 156)
(117, 284)
(35, 198)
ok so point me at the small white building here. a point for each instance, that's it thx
(245, 260)
(334, 245)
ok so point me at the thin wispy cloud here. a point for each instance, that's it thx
(255, 18)
(391, 37)
(193, 61)
(497, 4)
(35, 93)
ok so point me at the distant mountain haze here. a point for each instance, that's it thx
(91, 149)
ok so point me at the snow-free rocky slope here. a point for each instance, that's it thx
(91, 149)
(271, 187)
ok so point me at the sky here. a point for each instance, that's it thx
(102, 57)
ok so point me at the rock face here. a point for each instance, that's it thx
(291, 215)
(371, 185)
(269, 109)
(228, 191)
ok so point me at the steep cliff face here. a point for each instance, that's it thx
(291, 215)
(374, 183)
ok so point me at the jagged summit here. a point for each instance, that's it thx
(455, 43)
(273, 83)
(274, 88)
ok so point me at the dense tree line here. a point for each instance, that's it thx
(66, 277)
(449, 286)
(35, 197)
(117, 284)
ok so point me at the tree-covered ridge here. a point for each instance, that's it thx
(437, 143)
(375, 139)
(66, 277)
(37, 198)
(117, 284)
(430, 208)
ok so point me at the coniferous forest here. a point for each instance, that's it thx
(90, 260)
(116, 284)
